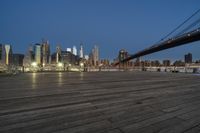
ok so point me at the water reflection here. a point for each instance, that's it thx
(81, 75)
(34, 80)
(60, 78)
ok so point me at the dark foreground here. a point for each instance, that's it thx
(109, 102)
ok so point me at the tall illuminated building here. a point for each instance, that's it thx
(38, 55)
(74, 50)
(29, 57)
(45, 52)
(95, 55)
(8, 54)
(86, 57)
(58, 54)
(81, 51)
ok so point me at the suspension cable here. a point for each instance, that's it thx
(195, 23)
(180, 25)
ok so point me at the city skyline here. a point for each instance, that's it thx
(111, 25)
(42, 49)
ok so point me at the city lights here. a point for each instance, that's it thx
(34, 64)
(38, 58)
(100, 66)
(60, 64)
(74, 69)
(81, 64)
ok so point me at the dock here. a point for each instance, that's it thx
(100, 102)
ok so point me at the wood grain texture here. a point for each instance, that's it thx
(100, 102)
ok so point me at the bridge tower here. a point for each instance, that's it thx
(123, 54)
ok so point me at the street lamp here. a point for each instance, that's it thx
(60, 64)
(34, 64)
(81, 64)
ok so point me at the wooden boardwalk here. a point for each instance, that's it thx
(100, 102)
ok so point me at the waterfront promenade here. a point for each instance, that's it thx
(100, 102)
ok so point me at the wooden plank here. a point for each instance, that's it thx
(99, 102)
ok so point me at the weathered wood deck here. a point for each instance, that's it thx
(106, 102)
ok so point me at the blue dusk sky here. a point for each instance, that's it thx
(111, 24)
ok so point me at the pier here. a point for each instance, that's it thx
(100, 102)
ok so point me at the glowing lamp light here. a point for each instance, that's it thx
(81, 64)
(34, 64)
(60, 64)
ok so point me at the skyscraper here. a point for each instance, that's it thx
(81, 51)
(188, 58)
(86, 57)
(31, 54)
(38, 55)
(8, 54)
(74, 50)
(45, 52)
(18, 59)
(96, 55)
(58, 54)
(29, 57)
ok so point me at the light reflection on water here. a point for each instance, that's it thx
(60, 78)
(34, 80)
(81, 75)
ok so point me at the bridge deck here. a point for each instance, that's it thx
(121, 102)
